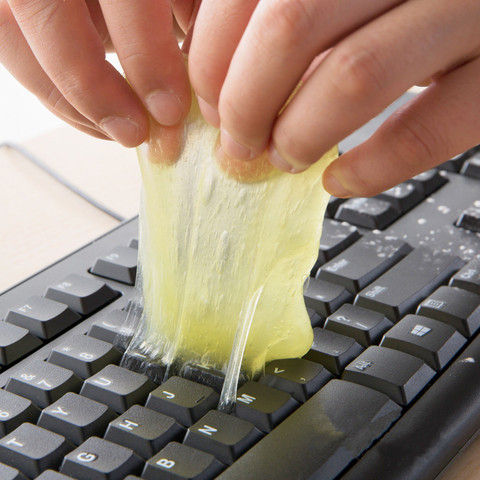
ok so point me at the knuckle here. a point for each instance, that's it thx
(359, 73)
(35, 15)
(287, 22)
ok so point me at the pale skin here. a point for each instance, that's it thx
(245, 59)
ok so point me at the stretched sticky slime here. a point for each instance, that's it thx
(225, 249)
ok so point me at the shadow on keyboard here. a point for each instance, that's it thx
(390, 388)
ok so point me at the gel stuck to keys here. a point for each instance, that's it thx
(225, 249)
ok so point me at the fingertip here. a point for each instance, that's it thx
(123, 130)
(165, 107)
(334, 186)
(210, 113)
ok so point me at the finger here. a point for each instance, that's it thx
(279, 44)
(143, 36)
(18, 59)
(367, 71)
(66, 43)
(441, 122)
(184, 11)
(99, 22)
(218, 29)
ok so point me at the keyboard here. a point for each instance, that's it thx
(390, 388)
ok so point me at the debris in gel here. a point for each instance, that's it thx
(225, 248)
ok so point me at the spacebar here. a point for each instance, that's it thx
(321, 438)
(429, 435)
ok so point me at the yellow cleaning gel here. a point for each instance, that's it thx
(225, 249)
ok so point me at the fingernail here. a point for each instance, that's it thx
(209, 113)
(234, 149)
(279, 162)
(334, 187)
(165, 107)
(122, 129)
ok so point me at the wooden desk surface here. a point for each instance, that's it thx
(42, 221)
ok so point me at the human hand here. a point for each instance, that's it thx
(355, 58)
(56, 49)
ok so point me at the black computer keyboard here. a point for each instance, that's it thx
(389, 390)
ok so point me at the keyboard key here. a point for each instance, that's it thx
(119, 265)
(181, 462)
(399, 290)
(335, 238)
(365, 326)
(117, 387)
(205, 375)
(325, 297)
(468, 277)
(144, 431)
(53, 475)
(471, 167)
(182, 399)
(364, 261)
(436, 343)
(332, 206)
(371, 213)
(10, 473)
(470, 218)
(224, 436)
(84, 355)
(98, 459)
(429, 181)
(83, 295)
(43, 383)
(133, 243)
(15, 410)
(403, 196)
(397, 374)
(457, 307)
(299, 377)
(43, 317)
(263, 406)
(455, 163)
(301, 446)
(32, 449)
(76, 418)
(110, 326)
(316, 320)
(15, 343)
(332, 350)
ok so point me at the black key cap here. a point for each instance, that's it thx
(363, 325)
(371, 213)
(181, 462)
(224, 436)
(133, 243)
(316, 320)
(82, 294)
(15, 410)
(53, 475)
(43, 383)
(418, 446)
(98, 459)
(110, 326)
(455, 163)
(332, 206)
(468, 277)
(436, 343)
(84, 355)
(457, 307)
(119, 265)
(43, 317)
(399, 290)
(325, 297)
(263, 406)
(332, 350)
(429, 181)
(182, 399)
(321, 438)
(403, 196)
(298, 377)
(15, 343)
(471, 167)
(10, 473)
(397, 374)
(335, 238)
(32, 449)
(470, 219)
(76, 418)
(117, 387)
(144, 431)
(209, 376)
(364, 261)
